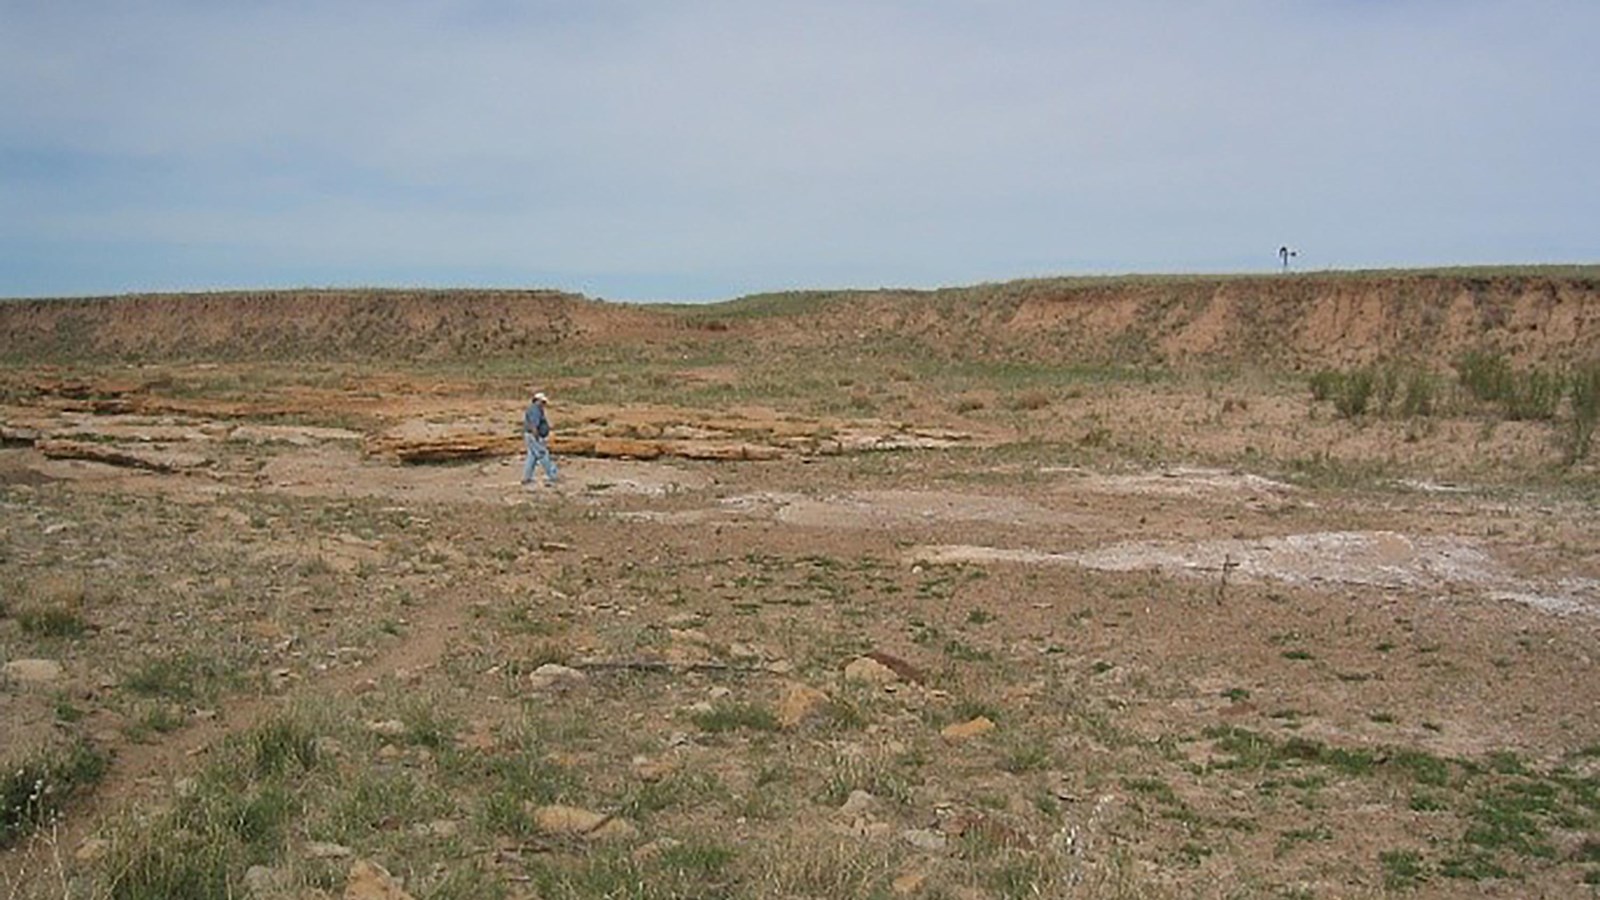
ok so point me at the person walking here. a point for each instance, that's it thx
(536, 435)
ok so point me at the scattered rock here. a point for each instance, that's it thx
(326, 850)
(481, 738)
(860, 803)
(647, 769)
(147, 459)
(439, 828)
(908, 883)
(865, 670)
(370, 881)
(554, 546)
(577, 822)
(33, 671)
(992, 831)
(799, 703)
(647, 852)
(91, 849)
(925, 839)
(387, 727)
(553, 674)
(900, 667)
(614, 829)
(689, 636)
(265, 881)
(567, 819)
(965, 730)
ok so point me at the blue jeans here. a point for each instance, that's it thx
(538, 455)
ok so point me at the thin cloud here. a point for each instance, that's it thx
(710, 148)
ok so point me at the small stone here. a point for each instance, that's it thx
(264, 881)
(924, 839)
(719, 692)
(909, 883)
(859, 804)
(700, 708)
(439, 828)
(552, 674)
(965, 730)
(387, 727)
(652, 770)
(567, 819)
(615, 829)
(554, 546)
(647, 852)
(327, 850)
(799, 703)
(33, 671)
(865, 670)
(369, 881)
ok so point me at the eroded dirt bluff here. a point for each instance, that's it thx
(1536, 316)
(1338, 319)
(343, 324)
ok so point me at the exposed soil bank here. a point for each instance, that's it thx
(1537, 317)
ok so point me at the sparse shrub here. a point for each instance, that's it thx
(1420, 394)
(1390, 390)
(1585, 410)
(282, 743)
(1325, 384)
(51, 621)
(1402, 869)
(1354, 393)
(732, 717)
(1534, 395)
(182, 676)
(33, 792)
(1385, 388)
(1485, 374)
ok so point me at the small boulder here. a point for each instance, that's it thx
(859, 804)
(33, 671)
(327, 850)
(925, 839)
(866, 670)
(553, 675)
(557, 819)
(799, 703)
(965, 730)
(369, 881)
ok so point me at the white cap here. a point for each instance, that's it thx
(539, 396)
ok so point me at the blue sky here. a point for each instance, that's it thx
(660, 150)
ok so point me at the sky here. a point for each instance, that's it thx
(701, 150)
